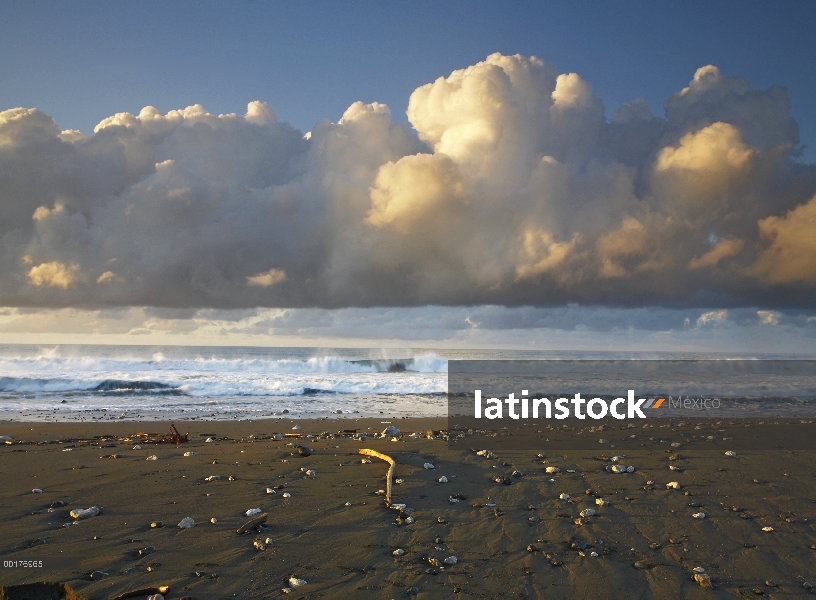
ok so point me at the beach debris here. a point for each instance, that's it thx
(152, 457)
(485, 454)
(552, 470)
(673, 485)
(190, 453)
(294, 582)
(588, 512)
(287, 495)
(97, 575)
(451, 560)
(428, 466)
(213, 520)
(390, 431)
(186, 523)
(398, 552)
(157, 524)
(212, 478)
(601, 501)
(36, 491)
(564, 496)
(443, 479)
(270, 490)
(253, 511)
(151, 591)
(259, 545)
(365, 461)
(252, 523)
(703, 579)
(767, 529)
(730, 453)
(699, 515)
(389, 475)
(84, 513)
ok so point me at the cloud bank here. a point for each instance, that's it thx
(511, 186)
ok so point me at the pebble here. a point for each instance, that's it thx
(155, 597)
(296, 428)
(428, 466)
(347, 504)
(390, 431)
(399, 481)
(137, 447)
(213, 520)
(270, 491)
(259, 545)
(601, 501)
(593, 554)
(603, 441)
(190, 453)
(212, 478)
(770, 583)
(253, 511)
(767, 529)
(673, 485)
(552, 470)
(698, 570)
(699, 515)
(588, 512)
(186, 523)
(365, 461)
(454, 500)
(287, 495)
(36, 491)
(231, 478)
(84, 513)
(730, 453)
(294, 582)
(451, 560)
(157, 524)
(703, 579)
(152, 457)
(97, 575)
(398, 552)
(209, 440)
(564, 497)
(146, 551)
(443, 479)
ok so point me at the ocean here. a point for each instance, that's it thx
(103, 382)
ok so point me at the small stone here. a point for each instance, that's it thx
(673, 485)
(270, 491)
(443, 479)
(186, 523)
(347, 504)
(532, 548)
(259, 545)
(146, 551)
(287, 495)
(294, 582)
(84, 513)
(640, 564)
(212, 478)
(588, 512)
(767, 529)
(807, 585)
(191, 453)
(413, 591)
(603, 441)
(209, 440)
(593, 554)
(97, 575)
(552, 470)
(213, 520)
(428, 466)
(451, 560)
(398, 552)
(366, 461)
(390, 431)
(730, 453)
(36, 491)
(152, 457)
(231, 478)
(601, 501)
(702, 579)
(698, 570)
(564, 496)
(770, 583)
(253, 511)
(699, 515)
(296, 428)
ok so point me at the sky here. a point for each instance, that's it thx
(527, 174)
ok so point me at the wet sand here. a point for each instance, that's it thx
(646, 539)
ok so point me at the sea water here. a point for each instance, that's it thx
(102, 382)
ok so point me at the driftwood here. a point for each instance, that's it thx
(162, 589)
(389, 476)
(252, 523)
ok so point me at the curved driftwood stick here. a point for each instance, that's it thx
(162, 589)
(389, 476)
(261, 518)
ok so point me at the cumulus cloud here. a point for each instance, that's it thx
(509, 186)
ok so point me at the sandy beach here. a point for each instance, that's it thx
(510, 531)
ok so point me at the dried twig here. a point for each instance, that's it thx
(389, 475)
(252, 523)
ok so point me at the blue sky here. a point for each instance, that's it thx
(83, 61)
(503, 199)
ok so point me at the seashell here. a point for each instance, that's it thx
(443, 479)
(191, 453)
(186, 523)
(588, 512)
(428, 466)
(673, 485)
(156, 524)
(84, 513)
(564, 497)
(253, 511)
